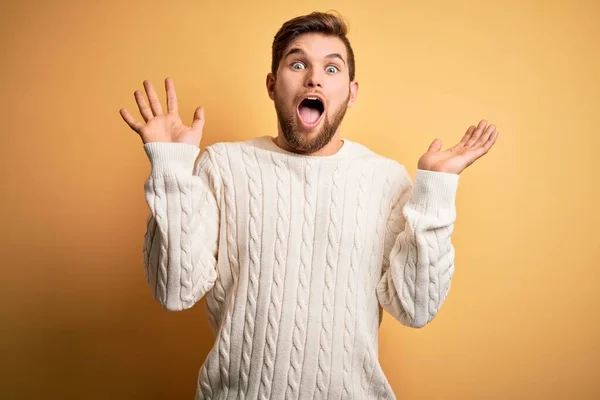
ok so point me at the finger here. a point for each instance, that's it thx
(477, 152)
(491, 140)
(485, 136)
(198, 118)
(466, 136)
(143, 106)
(172, 107)
(436, 145)
(153, 98)
(477, 133)
(133, 124)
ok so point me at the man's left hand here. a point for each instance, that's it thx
(476, 142)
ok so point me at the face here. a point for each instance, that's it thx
(311, 91)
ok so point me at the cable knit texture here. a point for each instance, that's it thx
(296, 256)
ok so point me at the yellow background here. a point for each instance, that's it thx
(522, 318)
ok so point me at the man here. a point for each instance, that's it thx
(298, 241)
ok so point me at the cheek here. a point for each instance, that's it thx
(289, 81)
(339, 99)
(285, 93)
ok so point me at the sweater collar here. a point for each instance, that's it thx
(268, 143)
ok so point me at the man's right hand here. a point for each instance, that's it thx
(160, 127)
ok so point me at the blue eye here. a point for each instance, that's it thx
(332, 69)
(298, 66)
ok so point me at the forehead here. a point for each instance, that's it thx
(317, 45)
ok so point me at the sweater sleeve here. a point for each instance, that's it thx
(180, 243)
(419, 266)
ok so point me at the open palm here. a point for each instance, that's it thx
(162, 127)
(476, 142)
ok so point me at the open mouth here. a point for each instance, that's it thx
(311, 111)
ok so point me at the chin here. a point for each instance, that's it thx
(307, 142)
(310, 133)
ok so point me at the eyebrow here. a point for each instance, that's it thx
(296, 50)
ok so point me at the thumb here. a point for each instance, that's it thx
(198, 121)
(435, 146)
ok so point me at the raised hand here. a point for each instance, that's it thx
(476, 142)
(161, 127)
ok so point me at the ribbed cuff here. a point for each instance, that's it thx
(435, 189)
(170, 159)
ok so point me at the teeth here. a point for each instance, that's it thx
(312, 98)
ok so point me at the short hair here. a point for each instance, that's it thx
(325, 23)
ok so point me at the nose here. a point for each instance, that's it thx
(314, 78)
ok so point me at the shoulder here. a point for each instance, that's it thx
(222, 148)
(396, 170)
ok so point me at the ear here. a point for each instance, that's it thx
(353, 93)
(271, 85)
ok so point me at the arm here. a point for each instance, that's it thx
(180, 244)
(419, 259)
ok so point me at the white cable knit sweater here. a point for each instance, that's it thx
(295, 255)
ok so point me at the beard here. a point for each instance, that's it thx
(296, 139)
